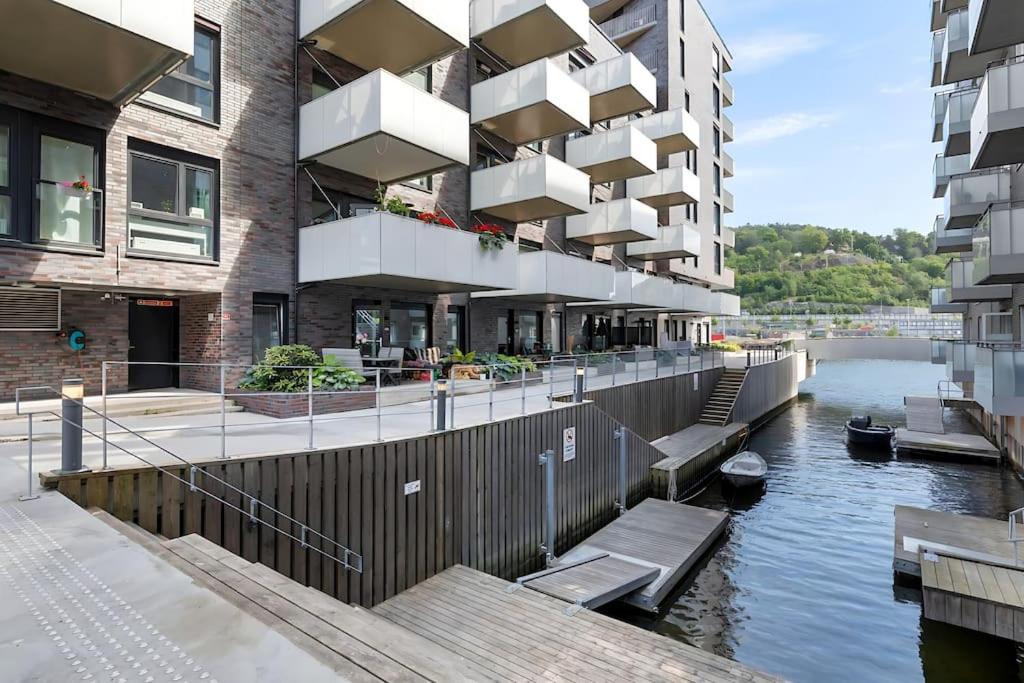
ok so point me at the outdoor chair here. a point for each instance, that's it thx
(351, 359)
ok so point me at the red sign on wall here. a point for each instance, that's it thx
(160, 303)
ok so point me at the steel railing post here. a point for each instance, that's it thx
(586, 367)
(309, 405)
(453, 403)
(615, 368)
(223, 416)
(551, 383)
(675, 362)
(636, 362)
(620, 436)
(433, 398)
(103, 393)
(490, 394)
(657, 364)
(522, 384)
(376, 397)
(28, 495)
(547, 461)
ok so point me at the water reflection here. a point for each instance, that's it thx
(802, 586)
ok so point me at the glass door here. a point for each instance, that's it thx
(455, 322)
(368, 328)
(529, 341)
(410, 326)
(556, 333)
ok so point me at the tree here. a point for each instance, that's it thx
(811, 240)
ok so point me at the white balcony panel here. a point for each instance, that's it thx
(969, 196)
(673, 186)
(956, 124)
(385, 250)
(940, 302)
(614, 222)
(728, 237)
(551, 277)
(521, 31)
(531, 103)
(950, 241)
(960, 277)
(938, 45)
(635, 290)
(945, 168)
(999, 379)
(618, 87)
(602, 9)
(383, 128)
(995, 24)
(615, 154)
(728, 130)
(728, 93)
(938, 16)
(728, 165)
(530, 189)
(673, 131)
(958, 64)
(112, 50)
(997, 124)
(998, 246)
(396, 35)
(672, 241)
(728, 202)
(693, 299)
(960, 360)
(724, 304)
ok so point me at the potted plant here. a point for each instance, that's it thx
(431, 218)
(80, 188)
(491, 236)
(386, 204)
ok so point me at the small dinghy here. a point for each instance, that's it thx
(744, 469)
(861, 432)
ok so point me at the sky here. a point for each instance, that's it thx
(832, 112)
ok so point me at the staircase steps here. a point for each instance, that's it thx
(718, 410)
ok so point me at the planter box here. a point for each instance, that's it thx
(297, 405)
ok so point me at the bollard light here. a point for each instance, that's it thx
(578, 394)
(72, 392)
(73, 389)
(442, 404)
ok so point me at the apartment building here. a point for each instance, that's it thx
(210, 183)
(978, 116)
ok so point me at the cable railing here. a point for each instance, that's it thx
(344, 556)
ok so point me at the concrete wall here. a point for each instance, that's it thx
(768, 387)
(868, 348)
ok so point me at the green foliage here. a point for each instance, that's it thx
(506, 367)
(393, 205)
(283, 369)
(726, 346)
(892, 332)
(457, 357)
(867, 269)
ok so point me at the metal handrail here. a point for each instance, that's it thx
(254, 503)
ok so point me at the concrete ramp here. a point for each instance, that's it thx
(924, 414)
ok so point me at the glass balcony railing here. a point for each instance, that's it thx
(68, 215)
(998, 245)
(956, 125)
(942, 303)
(996, 128)
(960, 359)
(939, 351)
(968, 196)
(945, 168)
(999, 379)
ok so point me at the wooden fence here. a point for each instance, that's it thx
(479, 503)
(767, 387)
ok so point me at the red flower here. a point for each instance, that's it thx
(446, 222)
(428, 217)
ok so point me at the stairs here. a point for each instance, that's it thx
(718, 409)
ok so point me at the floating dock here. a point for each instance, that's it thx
(974, 538)
(973, 595)
(640, 557)
(691, 455)
(961, 447)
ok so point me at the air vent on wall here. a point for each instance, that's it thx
(29, 310)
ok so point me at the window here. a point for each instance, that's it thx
(682, 58)
(422, 78)
(716, 141)
(716, 61)
(6, 224)
(718, 258)
(682, 15)
(717, 180)
(66, 214)
(686, 100)
(172, 206)
(486, 158)
(455, 322)
(530, 340)
(322, 84)
(410, 325)
(718, 218)
(529, 245)
(268, 323)
(425, 183)
(193, 88)
(716, 101)
(348, 205)
(537, 146)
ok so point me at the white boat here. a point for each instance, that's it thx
(744, 469)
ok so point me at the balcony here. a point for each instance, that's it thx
(618, 87)
(728, 165)
(602, 9)
(728, 93)
(112, 51)
(728, 131)
(938, 41)
(383, 128)
(673, 186)
(673, 131)
(727, 305)
(728, 202)
(958, 64)
(614, 222)
(728, 237)
(938, 17)
(960, 360)
(939, 351)
(394, 252)
(942, 304)
(950, 5)
(995, 24)
(969, 196)
(956, 124)
(997, 125)
(997, 327)
(700, 300)
(999, 245)
(627, 27)
(999, 379)
(615, 154)
(951, 241)
(672, 241)
(534, 102)
(962, 288)
(532, 189)
(523, 31)
(945, 168)
(635, 290)
(551, 277)
(396, 35)
(940, 103)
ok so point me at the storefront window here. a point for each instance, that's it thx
(410, 326)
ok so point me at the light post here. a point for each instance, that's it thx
(72, 394)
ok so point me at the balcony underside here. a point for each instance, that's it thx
(999, 25)
(53, 43)
(630, 36)
(403, 160)
(664, 201)
(948, 308)
(961, 66)
(965, 215)
(958, 140)
(602, 9)
(529, 124)
(537, 209)
(1003, 143)
(541, 32)
(619, 102)
(980, 293)
(383, 34)
(953, 244)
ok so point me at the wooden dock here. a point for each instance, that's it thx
(618, 560)
(692, 454)
(973, 595)
(974, 538)
(955, 446)
(524, 635)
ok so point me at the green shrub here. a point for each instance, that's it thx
(726, 346)
(269, 375)
(506, 367)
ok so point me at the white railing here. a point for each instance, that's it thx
(629, 21)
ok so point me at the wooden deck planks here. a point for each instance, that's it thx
(593, 583)
(916, 527)
(973, 595)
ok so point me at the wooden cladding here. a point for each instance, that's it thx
(767, 387)
(479, 503)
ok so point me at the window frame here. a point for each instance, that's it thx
(214, 32)
(9, 119)
(183, 161)
(279, 301)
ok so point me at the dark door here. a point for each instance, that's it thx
(152, 338)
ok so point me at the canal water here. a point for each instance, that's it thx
(802, 586)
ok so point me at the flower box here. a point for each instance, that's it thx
(283, 406)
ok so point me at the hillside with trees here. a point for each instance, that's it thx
(782, 266)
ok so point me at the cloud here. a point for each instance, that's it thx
(784, 126)
(767, 49)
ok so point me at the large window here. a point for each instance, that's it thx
(455, 322)
(716, 101)
(718, 258)
(6, 224)
(172, 206)
(268, 323)
(716, 61)
(717, 180)
(193, 88)
(682, 59)
(66, 212)
(718, 218)
(410, 325)
(716, 141)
